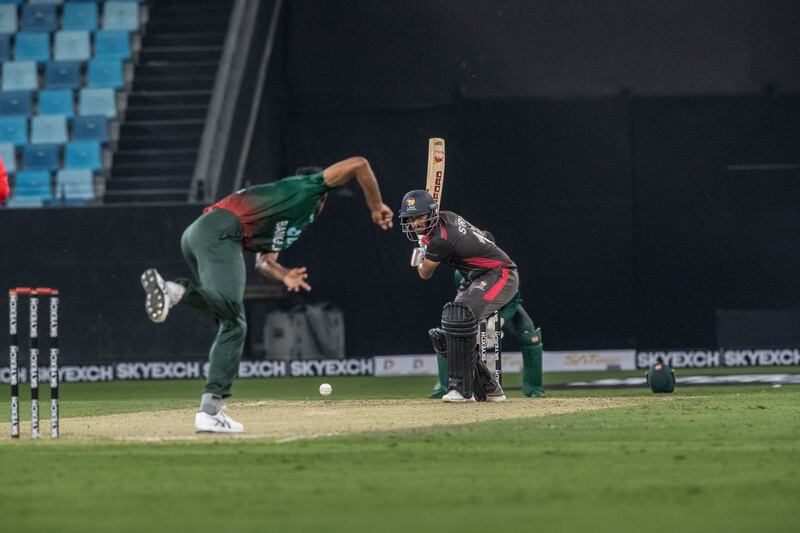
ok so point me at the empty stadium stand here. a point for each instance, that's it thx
(65, 75)
(108, 93)
(172, 87)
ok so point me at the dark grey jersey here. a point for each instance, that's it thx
(458, 243)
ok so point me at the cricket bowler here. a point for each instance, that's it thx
(264, 219)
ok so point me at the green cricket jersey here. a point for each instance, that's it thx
(273, 215)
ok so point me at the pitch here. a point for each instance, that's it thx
(701, 459)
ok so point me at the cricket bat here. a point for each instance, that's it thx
(433, 185)
(435, 179)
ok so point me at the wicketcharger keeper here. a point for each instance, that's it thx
(490, 282)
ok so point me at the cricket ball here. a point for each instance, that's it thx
(325, 389)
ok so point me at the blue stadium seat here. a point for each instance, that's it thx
(31, 189)
(8, 153)
(112, 44)
(121, 16)
(41, 157)
(72, 46)
(79, 16)
(100, 102)
(49, 129)
(34, 179)
(32, 46)
(15, 103)
(90, 129)
(24, 201)
(75, 185)
(56, 102)
(5, 47)
(38, 18)
(105, 73)
(51, 2)
(62, 75)
(8, 19)
(20, 76)
(83, 154)
(14, 130)
(15, 2)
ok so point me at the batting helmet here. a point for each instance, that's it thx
(416, 203)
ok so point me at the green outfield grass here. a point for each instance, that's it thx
(713, 459)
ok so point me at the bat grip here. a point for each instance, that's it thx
(417, 256)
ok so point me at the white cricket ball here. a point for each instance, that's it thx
(325, 389)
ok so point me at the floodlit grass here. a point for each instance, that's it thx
(711, 459)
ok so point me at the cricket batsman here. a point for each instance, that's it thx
(516, 322)
(490, 282)
(264, 219)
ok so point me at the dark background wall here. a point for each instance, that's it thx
(94, 256)
(638, 160)
(596, 139)
(365, 54)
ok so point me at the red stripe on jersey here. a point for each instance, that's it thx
(483, 262)
(492, 293)
(427, 238)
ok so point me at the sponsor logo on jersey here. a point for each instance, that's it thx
(292, 235)
(279, 237)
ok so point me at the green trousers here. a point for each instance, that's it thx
(212, 245)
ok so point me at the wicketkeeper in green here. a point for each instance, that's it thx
(517, 323)
(264, 219)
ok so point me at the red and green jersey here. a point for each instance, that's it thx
(273, 215)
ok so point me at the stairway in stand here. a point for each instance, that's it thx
(172, 86)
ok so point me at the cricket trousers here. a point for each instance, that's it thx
(212, 246)
(489, 292)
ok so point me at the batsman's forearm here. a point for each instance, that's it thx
(426, 268)
(423, 272)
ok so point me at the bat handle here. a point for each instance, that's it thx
(417, 256)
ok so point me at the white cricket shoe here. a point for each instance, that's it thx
(497, 395)
(455, 397)
(218, 423)
(161, 295)
(495, 399)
